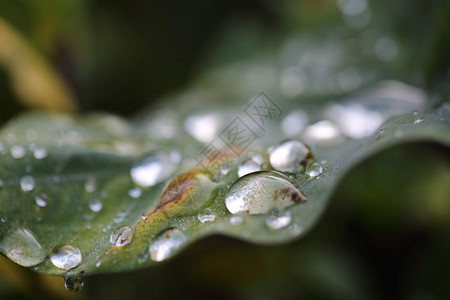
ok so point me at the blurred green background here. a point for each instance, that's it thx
(386, 233)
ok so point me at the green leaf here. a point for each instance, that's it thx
(66, 181)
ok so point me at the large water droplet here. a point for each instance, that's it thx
(314, 169)
(27, 183)
(277, 220)
(73, 284)
(167, 244)
(258, 193)
(41, 200)
(186, 194)
(121, 236)
(66, 257)
(290, 156)
(153, 169)
(23, 248)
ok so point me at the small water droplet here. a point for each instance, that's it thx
(73, 284)
(152, 169)
(121, 236)
(236, 220)
(40, 153)
(276, 221)
(258, 193)
(90, 185)
(23, 248)
(314, 169)
(4, 219)
(41, 200)
(27, 183)
(95, 204)
(417, 121)
(290, 156)
(17, 151)
(167, 244)
(98, 264)
(206, 216)
(66, 257)
(135, 192)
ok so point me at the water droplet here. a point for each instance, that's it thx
(4, 219)
(23, 248)
(323, 131)
(95, 204)
(135, 192)
(236, 220)
(203, 127)
(247, 167)
(66, 257)
(121, 236)
(206, 216)
(90, 185)
(152, 169)
(294, 123)
(276, 221)
(167, 244)
(73, 284)
(17, 151)
(98, 264)
(27, 183)
(417, 121)
(290, 156)
(41, 200)
(314, 169)
(355, 120)
(258, 193)
(40, 153)
(186, 194)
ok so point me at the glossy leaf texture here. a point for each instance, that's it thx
(129, 195)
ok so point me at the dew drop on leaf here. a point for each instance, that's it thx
(166, 244)
(135, 192)
(121, 236)
(260, 192)
(95, 204)
(206, 216)
(276, 220)
(22, 247)
(41, 200)
(65, 257)
(290, 156)
(153, 169)
(27, 183)
(73, 284)
(314, 169)
(17, 151)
